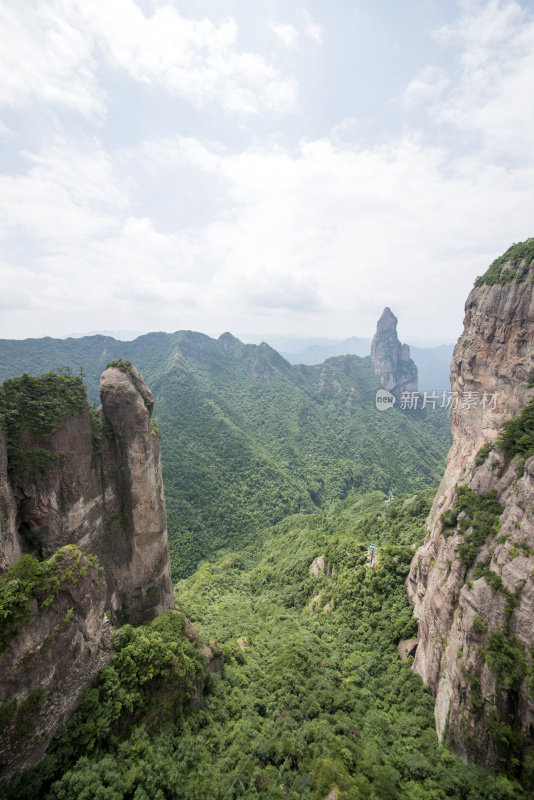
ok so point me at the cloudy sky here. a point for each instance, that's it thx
(275, 167)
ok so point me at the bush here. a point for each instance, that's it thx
(479, 625)
(511, 266)
(517, 435)
(37, 407)
(17, 587)
(483, 454)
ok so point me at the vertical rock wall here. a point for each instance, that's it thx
(105, 496)
(96, 511)
(474, 620)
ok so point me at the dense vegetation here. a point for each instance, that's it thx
(517, 435)
(479, 521)
(513, 265)
(313, 694)
(33, 409)
(258, 439)
(155, 671)
(247, 438)
(30, 579)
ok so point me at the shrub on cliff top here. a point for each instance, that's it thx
(37, 407)
(511, 266)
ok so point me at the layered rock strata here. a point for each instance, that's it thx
(475, 610)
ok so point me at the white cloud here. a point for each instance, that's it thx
(5, 132)
(50, 52)
(312, 28)
(321, 236)
(324, 236)
(491, 85)
(45, 56)
(356, 229)
(286, 34)
(74, 251)
(67, 194)
(290, 36)
(428, 85)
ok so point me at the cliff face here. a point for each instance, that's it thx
(391, 359)
(10, 544)
(138, 554)
(86, 499)
(59, 651)
(103, 491)
(472, 582)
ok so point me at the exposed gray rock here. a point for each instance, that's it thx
(391, 359)
(407, 647)
(457, 612)
(108, 501)
(10, 544)
(140, 567)
(59, 651)
(318, 565)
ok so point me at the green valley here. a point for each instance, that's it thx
(248, 438)
(313, 700)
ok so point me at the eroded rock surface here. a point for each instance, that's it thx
(60, 650)
(98, 501)
(105, 496)
(471, 624)
(391, 359)
(140, 565)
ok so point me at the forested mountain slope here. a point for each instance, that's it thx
(249, 438)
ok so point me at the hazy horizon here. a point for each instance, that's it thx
(247, 338)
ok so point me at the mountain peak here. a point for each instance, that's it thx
(393, 366)
(388, 321)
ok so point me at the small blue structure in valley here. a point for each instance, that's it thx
(371, 555)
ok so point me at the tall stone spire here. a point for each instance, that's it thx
(391, 359)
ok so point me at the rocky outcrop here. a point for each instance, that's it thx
(88, 498)
(492, 365)
(10, 544)
(60, 649)
(104, 492)
(139, 556)
(475, 607)
(391, 359)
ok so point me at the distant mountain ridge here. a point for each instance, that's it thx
(248, 438)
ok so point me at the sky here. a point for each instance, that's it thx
(272, 168)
